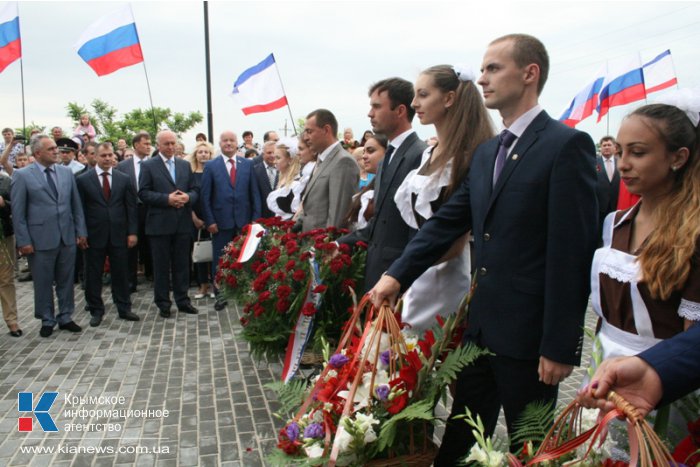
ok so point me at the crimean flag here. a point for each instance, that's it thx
(623, 84)
(10, 42)
(659, 73)
(111, 43)
(259, 88)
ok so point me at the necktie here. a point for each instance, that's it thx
(505, 140)
(609, 168)
(232, 173)
(387, 160)
(272, 176)
(171, 168)
(106, 190)
(49, 180)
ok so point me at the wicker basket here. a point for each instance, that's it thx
(421, 459)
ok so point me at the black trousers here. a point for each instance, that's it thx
(171, 259)
(485, 386)
(94, 267)
(142, 252)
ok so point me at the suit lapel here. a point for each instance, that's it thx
(322, 169)
(95, 182)
(385, 181)
(519, 152)
(160, 163)
(41, 177)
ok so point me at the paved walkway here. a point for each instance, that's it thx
(195, 367)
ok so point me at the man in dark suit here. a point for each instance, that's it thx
(335, 178)
(230, 198)
(533, 213)
(387, 234)
(109, 204)
(660, 375)
(266, 175)
(48, 220)
(608, 187)
(132, 167)
(167, 187)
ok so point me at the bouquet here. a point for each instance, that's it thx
(374, 400)
(291, 274)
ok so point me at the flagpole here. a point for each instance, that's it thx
(21, 77)
(148, 83)
(210, 115)
(285, 95)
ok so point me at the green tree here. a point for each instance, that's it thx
(28, 130)
(110, 127)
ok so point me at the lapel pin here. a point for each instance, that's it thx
(515, 157)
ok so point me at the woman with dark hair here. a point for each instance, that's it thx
(645, 280)
(362, 207)
(366, 135)
(447, 98)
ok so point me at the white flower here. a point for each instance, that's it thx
(318, 416)
(370, 436)
(482, 457)
(342, 438)
(363, 391)
(411, 341)
(314, 451)
(365, 422)
(377, 347)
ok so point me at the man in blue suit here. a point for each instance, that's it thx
(167, 187)
(530, 202)
(230, 198)
(48, 221)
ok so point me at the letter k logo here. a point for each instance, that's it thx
(41, 411)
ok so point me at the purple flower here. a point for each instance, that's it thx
(338, 360)
(293, 431)
(385, 356)
(382, 391)
(315, 430)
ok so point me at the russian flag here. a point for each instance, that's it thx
(659, 73)
(259, 88)
(585, 102)
(10, 42)
(111, 43)
(624, 84)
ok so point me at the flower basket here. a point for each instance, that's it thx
(289, 275)
(373, 402)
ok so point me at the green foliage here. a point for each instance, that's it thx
(421, 410)
(28, 130)
(455, 361)
(110, 127)
(278, 458)
(290, 395)
(534, 423)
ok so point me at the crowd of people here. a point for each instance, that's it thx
(540, 219)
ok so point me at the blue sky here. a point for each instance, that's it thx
(329, 53)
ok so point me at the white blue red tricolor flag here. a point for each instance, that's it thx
(10, 42)
(259, 88)
(111, 43)
(621, 82)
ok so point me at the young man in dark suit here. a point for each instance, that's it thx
(530, 202)
(230, 198)
(390, 113)
(109, 204)
(266, 176)
(167, 187)
(608, 187)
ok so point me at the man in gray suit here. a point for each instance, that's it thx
(335, 178)
(48, 221)
(387, 234)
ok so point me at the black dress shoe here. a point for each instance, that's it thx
(95, 320)
(132, 289)
(16, 333)
(129, 316)
(188, 308)
(165, 313)
(26, 277)
(46, 331)
(220, 304)
(71, 326)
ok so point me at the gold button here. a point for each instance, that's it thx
(515, 157)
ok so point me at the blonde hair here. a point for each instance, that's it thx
(286, 179)
(667, 255)
(192, 157)
(467, 124)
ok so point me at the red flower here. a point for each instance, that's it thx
(282, 306)
(260, 234)
(414, 360)
(309, 309)
(290, 265)
(344, 248)
(688, 450)
(289, 447)
(426, 343)
(320, 288)
(244, 321)
(291, 247)
(258, 310)
(299, 275)
(336, 265)
(361, 244)
(305, 256)
(279, 276)
(398, 403)
(264, 296)
(409, 376)
(283, 291)
(348, 284)
(231, 281)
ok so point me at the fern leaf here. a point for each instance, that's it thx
(534, 423)
(456, 360)
(421, 410)
(290, 395)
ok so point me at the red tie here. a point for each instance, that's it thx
(233, 172)
(105, 186)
